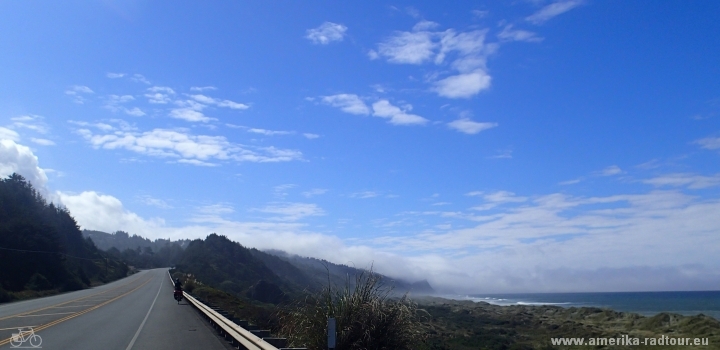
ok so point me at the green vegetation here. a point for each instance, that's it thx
(465, 325)
(41, 248)
(365, 315)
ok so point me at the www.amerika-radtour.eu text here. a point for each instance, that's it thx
(628, 341)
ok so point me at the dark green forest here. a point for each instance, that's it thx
(42, 250)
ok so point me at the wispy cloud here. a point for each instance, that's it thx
(292, 211)
(347, 103)
(311, 136)
(202, 88)
(154, 202)
(269, 132)
(219, 102)
(115, 103)
(326, 33)
(554, 9)
(139, 78)
(314, 192)
(9, 134)
(571, 182)
(115, 75)
(397, 115)
(365, 194)
(692, 181)
(42, 142)
(510, 34)
(711, 143)
(186, 148)
(159, 94)
(610, 171)
(77, 91)
(468, 126)
(31, 122)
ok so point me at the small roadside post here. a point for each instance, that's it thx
(331, 333)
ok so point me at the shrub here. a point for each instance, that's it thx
(38, 282)
(365, 317)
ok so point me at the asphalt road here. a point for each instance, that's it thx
(137, 312)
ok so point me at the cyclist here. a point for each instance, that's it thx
(178, 284)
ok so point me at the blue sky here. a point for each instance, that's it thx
(520, 146)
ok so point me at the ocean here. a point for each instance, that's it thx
(644, 303)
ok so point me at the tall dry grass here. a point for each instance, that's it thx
(366, 317)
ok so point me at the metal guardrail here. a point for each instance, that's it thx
(242, 336)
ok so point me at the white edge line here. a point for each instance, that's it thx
(132, 342)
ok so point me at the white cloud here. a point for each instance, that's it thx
(8, 134)
(115, 75)
(711, 143)
(95, 211)
(502, 154)
(190, 114)
(326, 33)
(42, 142)
(30, 122)
(397, 116)
(504, 197)
(139, 78)
(475, 193)
(158, 98)
(16, 158)
(611, 171)
(101, 126)
(202, 88)
(162, 89)
(154, 202)
(348, 103)
(159, 94)
(508, 34)
(549, 11)
(314, 192)
(480, 13)
(365, 194)
(463, 85)
(76, 92)
(135, 112)
(691, 181)
(466, 53)
(408, 47)
(571, 182)
(311, 136)
(425, 25)
(468, 126)
(269, 132)
(187, 148)
(292, 211)
(218, 102)
(197, 162)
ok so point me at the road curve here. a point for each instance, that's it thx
(137, 312)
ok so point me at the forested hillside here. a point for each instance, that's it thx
(41, 248)
(138, 251)
(121, 241)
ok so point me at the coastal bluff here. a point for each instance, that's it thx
(465, 324)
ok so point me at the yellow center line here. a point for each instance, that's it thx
(48, 325)
(67, 302)
(58, 313)
(62, 307)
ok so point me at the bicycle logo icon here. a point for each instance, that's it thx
(25, 335)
